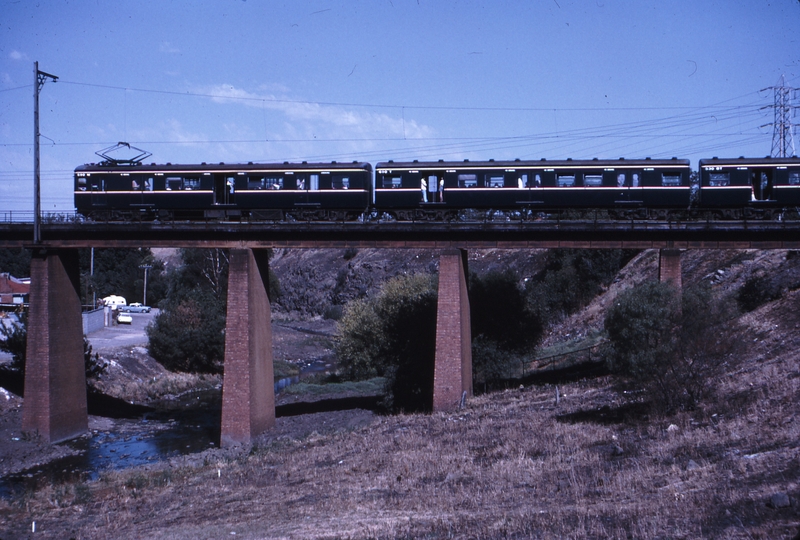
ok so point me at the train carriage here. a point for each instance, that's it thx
(532, 184)
(749, 182)
(263, 191)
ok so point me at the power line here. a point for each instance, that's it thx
(270, 99)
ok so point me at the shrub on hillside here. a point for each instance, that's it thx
(393, 335)
(15, 343)
(672, 344)
(503, 328)
(499, 313)
(756, 291)
(189, 336)
(571, 278)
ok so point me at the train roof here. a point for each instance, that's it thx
(224, 167)
(538, 164)
(752, 162)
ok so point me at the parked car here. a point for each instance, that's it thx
(135, 307)
(124, 318)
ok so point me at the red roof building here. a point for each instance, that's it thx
(13, 290)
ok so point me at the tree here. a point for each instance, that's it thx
(671, 343)
(571, 278)
(393, 335)
(189, 332)
(503, 328)
(117, 271)
(16, 262)
(16, 343)
(188, 335)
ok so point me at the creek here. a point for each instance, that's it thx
(174, 427)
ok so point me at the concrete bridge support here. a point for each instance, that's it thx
(669, 266)
(248, 395)
(453, 370)
(55, 378)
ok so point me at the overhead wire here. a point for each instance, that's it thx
(621, 138)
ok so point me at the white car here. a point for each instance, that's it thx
(124, 318)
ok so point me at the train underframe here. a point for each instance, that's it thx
(445, 214)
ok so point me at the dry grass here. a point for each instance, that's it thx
(161, 386)
(511, 464)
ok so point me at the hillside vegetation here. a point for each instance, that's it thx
(568, 454)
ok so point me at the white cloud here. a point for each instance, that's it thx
(16, 55)
(167, 47)
(346, 121)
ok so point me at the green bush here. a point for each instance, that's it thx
(16, 343)
(503, 328)
(571, 279)
(393, 335)
(189, 336)
(673, 345)
(756, 291)
(499, 313)
(492, 363)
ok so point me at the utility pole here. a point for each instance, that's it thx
(782, 128)
(39, 78)
(145, 267)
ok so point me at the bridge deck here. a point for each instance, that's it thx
(477, 235)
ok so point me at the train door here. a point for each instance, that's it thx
(224, 189)
(97, 187)
(628, 184)
(761, 182)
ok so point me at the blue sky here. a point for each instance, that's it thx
(372, 80)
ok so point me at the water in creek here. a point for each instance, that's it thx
(190, 424)
(176, 427)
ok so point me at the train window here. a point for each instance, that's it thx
(174, 183)
(670, 179)
(467, 180)
(635, 180)
(566, 180)
(254, 182)
(794, 178)
(494, 181)
(341, 182)
(273, 182)
(393, 182)
(522, 182)
(148, 184)
(593, 180)
(191, 184)
(719, 179)
(621, 180)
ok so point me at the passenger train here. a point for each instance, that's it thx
(435, 190)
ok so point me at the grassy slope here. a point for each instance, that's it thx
(511, 464)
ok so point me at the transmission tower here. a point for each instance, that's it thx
(782, 128)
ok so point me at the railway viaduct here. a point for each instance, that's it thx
(55, 386)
